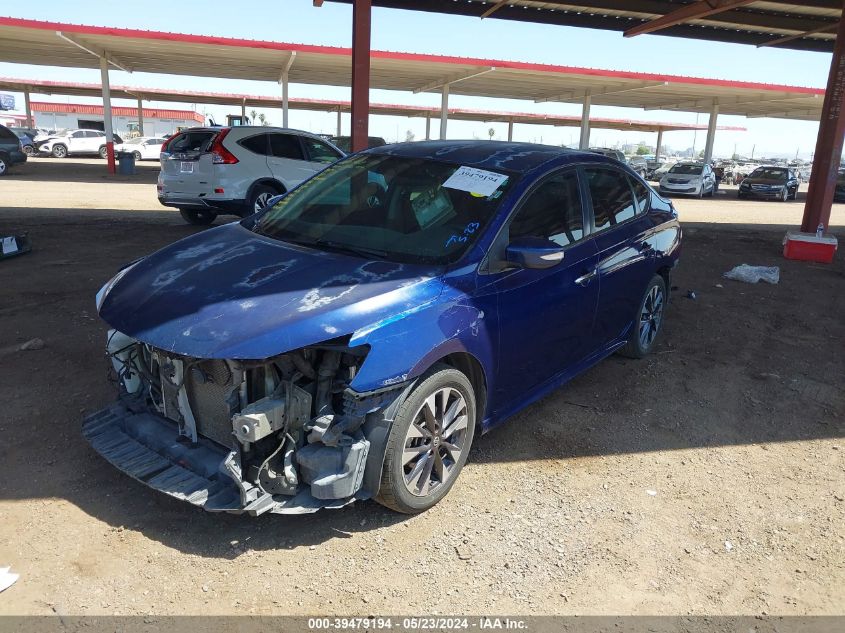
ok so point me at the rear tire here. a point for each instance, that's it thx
(137, 155)
(59, 151)
(103, 152)
(648, 320)
(198, 217)
(4, 165)
(431, 437)
(29, 150)
(258, 200)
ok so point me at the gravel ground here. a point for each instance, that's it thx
(706, 479)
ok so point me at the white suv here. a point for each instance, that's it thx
(75, 142)
(206, 172)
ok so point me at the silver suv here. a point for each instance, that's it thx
(206, 172)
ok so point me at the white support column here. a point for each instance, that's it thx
(428, 128)
(444, 110)
(107, 122)
(659, 144)
(141, 116)
(711, 132)
(30, 122)
(510, 130)
(584, 142)
(285, 99)
(339, 122)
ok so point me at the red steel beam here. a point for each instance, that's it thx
(829, 143)
(361, 26)
(694, 11)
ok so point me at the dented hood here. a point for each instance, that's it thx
(230, 293)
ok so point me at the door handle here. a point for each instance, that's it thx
(586, 278)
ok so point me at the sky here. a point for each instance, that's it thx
(396, 30)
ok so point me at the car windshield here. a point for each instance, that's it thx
(410, 210)
(769, 173)
(687, 170)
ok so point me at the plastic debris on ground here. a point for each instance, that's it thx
(11, 245)
(691, 295)
(7, 578)
(753, 274)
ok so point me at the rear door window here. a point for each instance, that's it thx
(641, 195)
(286, 146)
(7, 134)
(257, 144)
(610, 192)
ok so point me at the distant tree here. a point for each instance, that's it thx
(491, 133)
(642, 150)
(263, 119)
(253, 116)
(409, 136)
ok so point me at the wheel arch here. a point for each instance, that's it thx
(268, 182)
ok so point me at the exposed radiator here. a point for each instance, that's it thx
(209, 385)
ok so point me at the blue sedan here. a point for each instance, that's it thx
(349, 341)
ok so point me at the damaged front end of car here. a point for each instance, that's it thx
(284, 434)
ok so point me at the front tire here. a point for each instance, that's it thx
(4, 165)
(198, 217)
(428, 442)
(785, 195)
(136, 155)
(648, 321)
(59, 151)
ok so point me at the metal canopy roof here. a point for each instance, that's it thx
(320, 105)
(809, 25)
(57, 44)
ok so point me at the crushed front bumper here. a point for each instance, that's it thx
(149, 448)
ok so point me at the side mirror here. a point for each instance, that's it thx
(533, 252)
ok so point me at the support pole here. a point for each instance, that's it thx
(361, 26)
(829, 143)
(428, 128)
(285, 99)
(30, 122)
(107, 122)
(444, 111)
(659, 144)
(140, 116)
(243, 112)
(711, 133)
(510, 130)
(584, 142)
(339, 123)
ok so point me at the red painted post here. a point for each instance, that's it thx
(361, 21)
(829, 143)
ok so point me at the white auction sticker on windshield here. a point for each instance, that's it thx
(477, 181)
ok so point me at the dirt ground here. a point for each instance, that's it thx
(706, 479)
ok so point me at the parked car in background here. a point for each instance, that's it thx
(76, 142)
(345, 142)
(142, 147)
(11, 150)
(27, 138)
(690, 179)
(779, 183)
(351, 340)
(210, 171)
(610, 153)
(638, 164)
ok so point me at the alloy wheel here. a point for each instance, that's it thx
(435, 441)
(261, 200)
(2, 167)
(651, 316)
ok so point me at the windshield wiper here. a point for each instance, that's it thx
(358, 251)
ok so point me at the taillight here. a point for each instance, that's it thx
(219, 154)
(167, 142)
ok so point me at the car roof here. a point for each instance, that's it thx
(512, 156)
